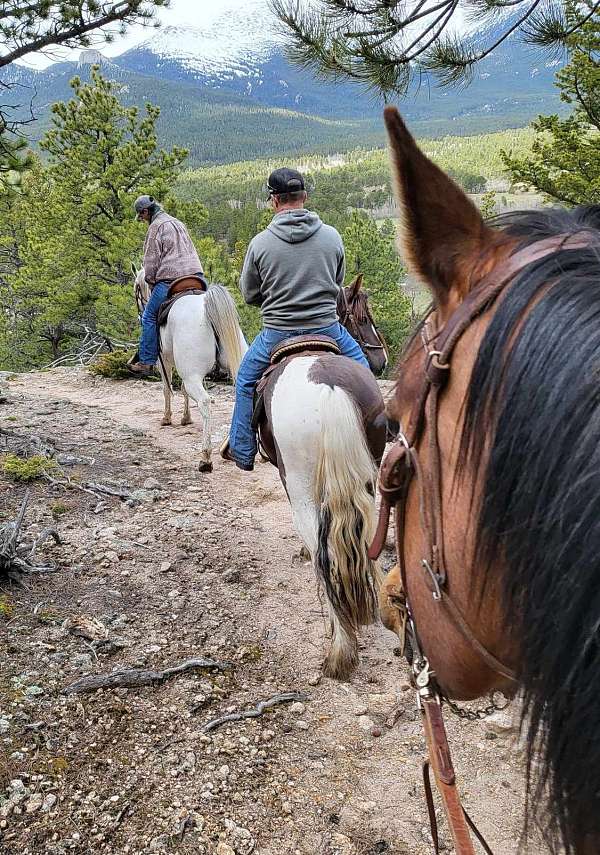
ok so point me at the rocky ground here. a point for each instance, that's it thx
(187, 566)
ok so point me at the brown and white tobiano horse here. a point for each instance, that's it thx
(498, 473)
(324, 428)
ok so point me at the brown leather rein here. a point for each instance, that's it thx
(397, 471)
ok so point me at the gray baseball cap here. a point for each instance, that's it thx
(143, 203)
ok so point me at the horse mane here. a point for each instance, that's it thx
(532, 425)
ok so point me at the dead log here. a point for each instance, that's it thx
(137, 677)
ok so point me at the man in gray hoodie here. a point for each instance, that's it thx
(293, 270)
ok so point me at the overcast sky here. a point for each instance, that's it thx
(186, 13)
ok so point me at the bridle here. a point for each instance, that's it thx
(400, 467)
(350, 317)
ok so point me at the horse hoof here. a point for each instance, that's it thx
(185, 422)
(205, 466)
(165, 422)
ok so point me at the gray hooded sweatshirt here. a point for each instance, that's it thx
(293, 270)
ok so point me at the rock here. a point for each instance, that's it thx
(381, 704)
(165, 566)
(34, 803)
(342, 845)
(232, 576)
(151, 484)
(302, 725)
(365, 723)
(297, 708)
(224, 849)
(314, 679)
(4, 725)
(361, 708)
(49, 803)
(376, 731)
(33, 691)
(502, 723)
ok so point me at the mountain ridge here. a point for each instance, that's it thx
(234, 96)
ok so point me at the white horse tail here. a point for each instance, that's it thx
(224, 319)
(344, 496)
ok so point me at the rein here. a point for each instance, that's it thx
(399, 468)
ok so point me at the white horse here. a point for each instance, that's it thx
(325, 429)
(188, 342)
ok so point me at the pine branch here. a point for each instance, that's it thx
(375, 41)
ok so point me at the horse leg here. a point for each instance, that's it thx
(166, 375)
(196, 389)
(186, 418)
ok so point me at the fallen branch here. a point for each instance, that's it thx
(137, 677)
(16, 557)
(259, 709)
(90, 487)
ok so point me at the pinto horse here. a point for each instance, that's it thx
(324, 427)
(202, 330)
(496, 474)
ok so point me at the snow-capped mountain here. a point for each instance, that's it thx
(240, 50)
(231, 43)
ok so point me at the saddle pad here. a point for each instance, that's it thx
(163, 312)
(301, 344)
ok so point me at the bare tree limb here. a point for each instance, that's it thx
(135, 678)
(259, 709)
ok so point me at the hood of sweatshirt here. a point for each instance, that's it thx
(295, 226)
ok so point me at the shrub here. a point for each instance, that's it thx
(58, 509)
(112, 365)
(7, 608)
(28, 468)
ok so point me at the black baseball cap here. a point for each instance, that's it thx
(285, 180)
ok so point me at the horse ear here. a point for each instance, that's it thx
(356, 284)
(441, 233)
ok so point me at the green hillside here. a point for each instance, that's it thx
(221, 127)
(359, 178)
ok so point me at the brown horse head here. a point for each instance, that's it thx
(507, 437)
(354, 314)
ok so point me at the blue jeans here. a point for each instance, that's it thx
(149, 341)
(242, 439)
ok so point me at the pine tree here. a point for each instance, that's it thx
(38, 25)
(564, 163)
(79, 234)
(370, 250)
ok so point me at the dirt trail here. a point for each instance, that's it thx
(339, 774)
